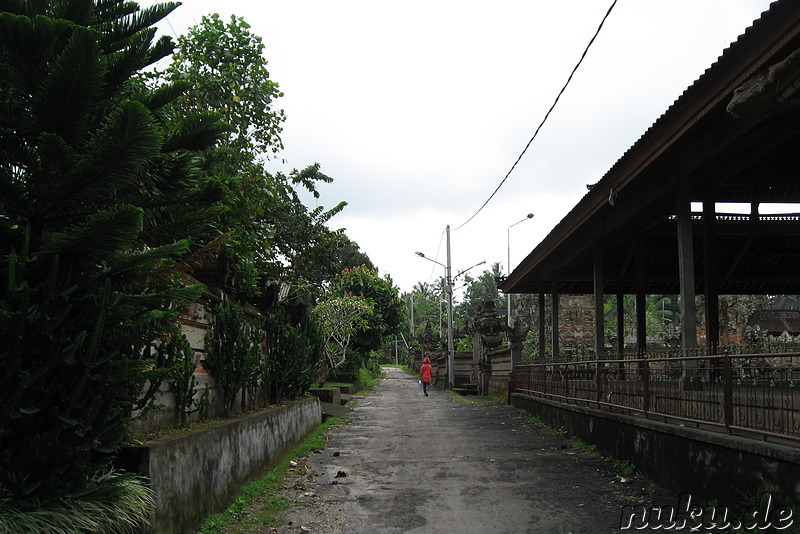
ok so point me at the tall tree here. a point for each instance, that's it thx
(479, 290)
(427, 301)
(388, 312)
(226, 66)
(340, 319)
(96, 185)
(274, 236)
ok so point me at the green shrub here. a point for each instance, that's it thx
(234, 357)
(294, 345)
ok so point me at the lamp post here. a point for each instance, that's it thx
(508, 266)
(450, 351)
(467, 269)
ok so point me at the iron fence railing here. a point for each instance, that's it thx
(586, 353)
(752, 393)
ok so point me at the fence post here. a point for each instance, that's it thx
(597, 381)
(727, 392)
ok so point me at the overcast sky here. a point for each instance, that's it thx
(418, 109)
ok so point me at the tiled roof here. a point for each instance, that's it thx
(776, 321)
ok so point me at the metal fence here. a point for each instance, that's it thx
(736, 393)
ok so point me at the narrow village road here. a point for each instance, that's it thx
(417, 464)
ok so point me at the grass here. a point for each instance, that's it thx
(406, 369)
(111, 501)
(263, 494)
(368, 380)
(336, 384)
(365, 379)
(259, 503)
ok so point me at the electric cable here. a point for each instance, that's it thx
(585, 51)
(438, 250)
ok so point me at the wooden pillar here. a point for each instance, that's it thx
(711, 275)
(641, 304)
(621, 330)
(686, 269)
(599, 333)
(755, 202)
(554, 321)
(620, 323)
(542, 329)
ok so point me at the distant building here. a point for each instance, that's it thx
(783, 317)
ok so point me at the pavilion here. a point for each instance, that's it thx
(656, 222)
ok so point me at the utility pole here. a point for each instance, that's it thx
(449, 281)
(450, 350)
(412, 313)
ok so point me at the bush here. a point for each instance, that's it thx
(294, 346)
(234, 354)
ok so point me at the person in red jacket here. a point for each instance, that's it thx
(425, 371)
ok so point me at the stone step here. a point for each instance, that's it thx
(330, 409)
(469, 389)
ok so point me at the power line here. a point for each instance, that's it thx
(585, 51)
(170, 27)
(438, 250)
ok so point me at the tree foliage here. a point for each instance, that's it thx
(340, 319)
(226, 66)
(478, 291)
(273, 235)
(429, 308)
(99, 194)
(388, 311)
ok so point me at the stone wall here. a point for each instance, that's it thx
(462, 369)
(196, 473)
(500, 365)
(709, 465)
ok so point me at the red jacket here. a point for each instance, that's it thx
(425, 372)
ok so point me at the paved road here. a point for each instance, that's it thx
(418, 464)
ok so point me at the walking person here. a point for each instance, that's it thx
(425, 371)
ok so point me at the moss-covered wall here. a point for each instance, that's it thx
(196, 473)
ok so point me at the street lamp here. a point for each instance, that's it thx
(508, 266)
(450, 349)
(467, 269)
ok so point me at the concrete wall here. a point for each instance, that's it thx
(707, 464)
(197, 473)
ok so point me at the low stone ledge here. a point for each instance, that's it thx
(196, 473)
(329, 394)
